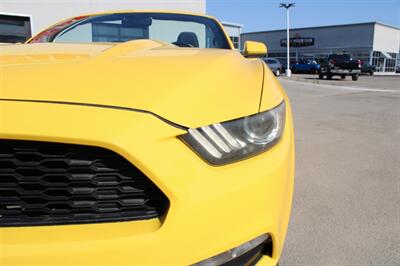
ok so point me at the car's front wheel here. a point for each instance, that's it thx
(354, 77)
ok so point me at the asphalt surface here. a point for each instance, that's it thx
(365, 82)
(346, 208)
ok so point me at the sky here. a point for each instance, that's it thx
(260, 15)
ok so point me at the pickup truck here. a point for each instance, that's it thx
(340, 65)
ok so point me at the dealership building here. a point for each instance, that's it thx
(372, 42)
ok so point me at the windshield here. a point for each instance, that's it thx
(340, 57)
(178, 29)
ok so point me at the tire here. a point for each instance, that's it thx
(343, 76)
(320, 75)
(314, 71)
(354, 77)
(329, 76)
(371, 73)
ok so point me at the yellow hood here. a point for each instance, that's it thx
(190, 87)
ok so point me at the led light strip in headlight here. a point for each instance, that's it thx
(235, 140)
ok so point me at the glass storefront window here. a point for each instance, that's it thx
(14, 29)
(235, 41)
(384, 61)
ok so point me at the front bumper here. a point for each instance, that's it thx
(212, 209)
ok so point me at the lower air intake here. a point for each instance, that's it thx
(44, 183)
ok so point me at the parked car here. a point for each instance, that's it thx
(306, 66)
(367, 68)
(340, 65)
(398, 69)
(134, 138)
(274, 65)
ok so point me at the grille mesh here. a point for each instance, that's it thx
(52, 183)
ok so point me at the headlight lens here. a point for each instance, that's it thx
(235, 140)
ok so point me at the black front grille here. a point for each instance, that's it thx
(52, 183)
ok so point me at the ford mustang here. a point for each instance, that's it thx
(142, 138)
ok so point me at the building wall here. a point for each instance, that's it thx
(45, 13)
(233, 31)
(386, 39)
(326, 38)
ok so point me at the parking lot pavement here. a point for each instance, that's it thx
(347, 189)
(365, 82)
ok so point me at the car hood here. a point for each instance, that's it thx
(190, 87)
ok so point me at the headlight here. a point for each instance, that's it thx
(235, 140)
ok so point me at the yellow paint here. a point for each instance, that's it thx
(254, 49)
(212, 209)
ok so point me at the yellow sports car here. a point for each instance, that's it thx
(142, 138)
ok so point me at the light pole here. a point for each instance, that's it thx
(287, 6)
